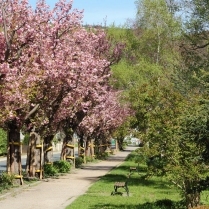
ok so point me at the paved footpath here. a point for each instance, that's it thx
(58, 193)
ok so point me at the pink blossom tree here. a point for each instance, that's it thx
(52, 71)
(103, 120)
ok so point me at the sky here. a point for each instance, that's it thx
(102, 12)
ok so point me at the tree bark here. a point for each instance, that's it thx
(48, 150)
(192, 199)
(34, 156)
(92, 152)
(81, 148)
(32, 161)
(68, 147)
(14, 165)
(34, 167)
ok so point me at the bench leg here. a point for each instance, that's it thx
(127, 190)
(116, 190)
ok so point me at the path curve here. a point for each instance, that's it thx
(58, 193)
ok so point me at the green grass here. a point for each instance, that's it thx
(153, 193)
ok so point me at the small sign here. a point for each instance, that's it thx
(113, 144)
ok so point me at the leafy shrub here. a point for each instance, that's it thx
(89, 159)
(3, 142)
(78, 162)
(102, 156)
(165, 203)
(26, 139)
(6, 180)
(50, 170)
(62, 166)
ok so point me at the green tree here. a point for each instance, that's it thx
(190, 172)
(121, 133)
(169, 117)
(158, 31)
(175, 132)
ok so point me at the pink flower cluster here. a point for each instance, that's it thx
(52, 68)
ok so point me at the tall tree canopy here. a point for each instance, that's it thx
(49, 62)
(53, 71)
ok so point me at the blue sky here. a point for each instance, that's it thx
(102, 11)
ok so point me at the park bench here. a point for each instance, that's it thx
(121, 184)
(132, 169)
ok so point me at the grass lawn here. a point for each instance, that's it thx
(153, 193)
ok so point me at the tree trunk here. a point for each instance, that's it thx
(192, 200)
(92, 152)
(14, 165)
(103, 145)
(68, 147)
(34, 156)
(87, 148)
(63, 151)
(32, 161)
(81, 147)
(120, 144)
(48, 150)
(96, 148)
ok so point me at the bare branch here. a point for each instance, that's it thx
(32, 111)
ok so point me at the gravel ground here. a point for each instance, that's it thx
(58, 193)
